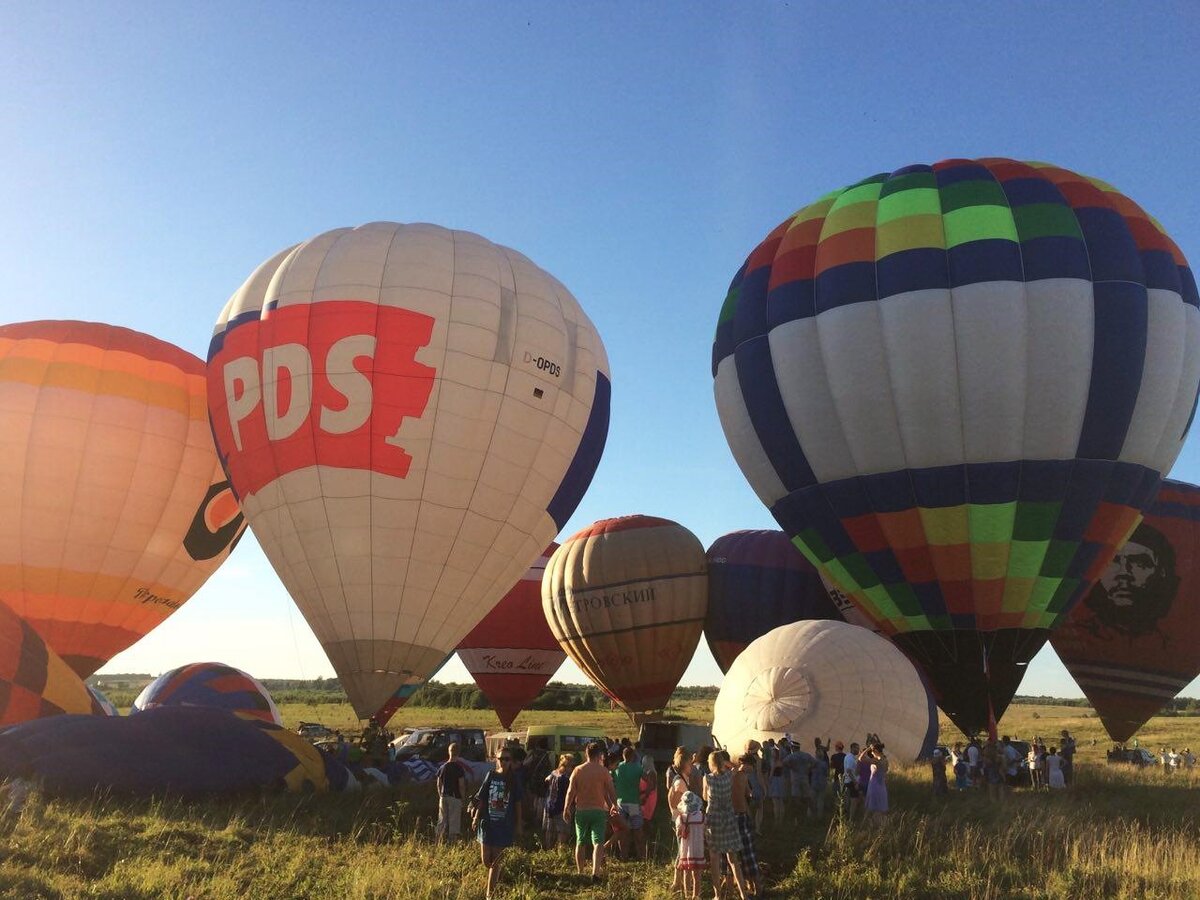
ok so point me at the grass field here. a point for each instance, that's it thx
(1119, 832)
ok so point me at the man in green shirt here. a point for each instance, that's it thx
(627, 779)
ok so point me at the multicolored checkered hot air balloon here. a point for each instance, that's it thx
(114, 509)
(757, 581)
(956, 387)
(409, 415)
(34, 680)
(209, 684)
(1133, 642)
(626, 598)
(512, 653)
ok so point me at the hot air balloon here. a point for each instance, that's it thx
(213, 685)
(830, 680)
(957, 386)
(34, 681)
(106, 706)
(113, 506)
(1133, 642)
(512, 653)
(757, 581)
(187, 750)
(626, 599)
(408, 415)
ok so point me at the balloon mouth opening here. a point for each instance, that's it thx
(777, 697)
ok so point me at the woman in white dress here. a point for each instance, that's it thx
(1054, 772)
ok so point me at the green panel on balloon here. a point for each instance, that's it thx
(1039, 220)
(964, 194)
(979, 223)
(1034, 521)
(991, 522)
(1025, 558)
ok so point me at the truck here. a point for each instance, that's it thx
(659, 739)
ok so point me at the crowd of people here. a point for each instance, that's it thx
(997, 766)
(716, 803)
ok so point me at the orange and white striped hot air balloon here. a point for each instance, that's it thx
(626, 598)
(114, 509)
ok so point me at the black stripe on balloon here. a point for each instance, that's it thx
(1120, 332)
(579, 474)
(33, 663)
(764, 404)
(579, 636)
(201, 543)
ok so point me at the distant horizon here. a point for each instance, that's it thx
(570, 684)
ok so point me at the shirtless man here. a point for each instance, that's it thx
(590, 798)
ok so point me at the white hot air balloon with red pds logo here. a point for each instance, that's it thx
(409, 415)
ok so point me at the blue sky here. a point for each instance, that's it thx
(154, 154)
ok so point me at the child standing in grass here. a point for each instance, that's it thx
(498, 801)
(689, 826)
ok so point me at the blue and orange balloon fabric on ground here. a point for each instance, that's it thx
(1133, 642)
(34, 681)
(114, 509)
(188, 750)
(956, 386)
(214, 685)
(512, 652)
(757, 581)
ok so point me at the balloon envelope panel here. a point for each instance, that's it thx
(512, 653)
(957, 386)
(626, 599)
(409, 415)
(830, 680)
(34, 680)
(403, 694)
(757, 581)
(177, 749)
(114, 507)
(213, 685)
(106, 706)
(1133, 642)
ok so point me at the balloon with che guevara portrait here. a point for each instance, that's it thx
(408, 414)
(1133, 642)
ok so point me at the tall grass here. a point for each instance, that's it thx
(1117, 833)
(1120, 832)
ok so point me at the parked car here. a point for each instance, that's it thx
(432, 744)
(314, 731)
(1132, 756)
(559, 739)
